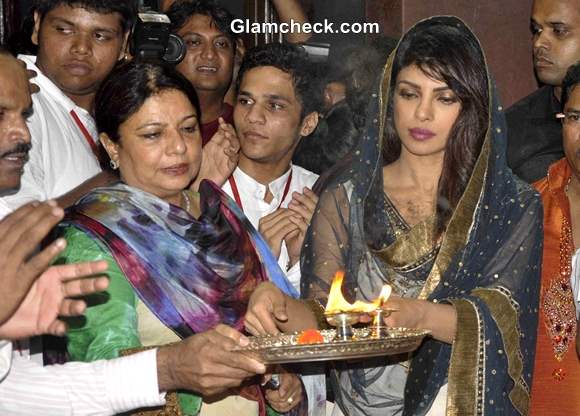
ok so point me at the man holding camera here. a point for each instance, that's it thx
(212, 49)
(209, 59)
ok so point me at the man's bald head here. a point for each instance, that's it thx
(15, 108)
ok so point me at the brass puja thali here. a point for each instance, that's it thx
(285, 348)
(344, 342)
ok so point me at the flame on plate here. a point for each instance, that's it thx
(337, 304)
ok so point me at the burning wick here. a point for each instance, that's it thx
(342, 314)
(337, 304)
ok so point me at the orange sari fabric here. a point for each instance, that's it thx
(556, 383)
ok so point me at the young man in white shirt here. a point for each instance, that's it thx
(205, 363)
(277, 105)
(79, 42)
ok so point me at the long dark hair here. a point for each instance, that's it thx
(448, 54)
(128, 86)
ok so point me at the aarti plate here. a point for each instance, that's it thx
(284, 348)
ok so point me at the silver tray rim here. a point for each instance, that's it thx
(397, 341)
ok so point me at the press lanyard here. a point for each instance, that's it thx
(86, 133)
(236, 193)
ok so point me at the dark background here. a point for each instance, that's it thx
(501, 25)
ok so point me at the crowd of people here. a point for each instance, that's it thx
(157, 215)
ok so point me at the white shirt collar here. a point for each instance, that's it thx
(49, 88)
(248, 185)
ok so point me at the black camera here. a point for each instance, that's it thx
(151, 39)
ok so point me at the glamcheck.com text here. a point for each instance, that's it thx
(246, 26)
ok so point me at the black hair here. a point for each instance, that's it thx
(448, 54)
(126, 8)
(128, 86)
(365, 66)
(182, 10)
(358, 66)
(571, 80)
(334, 137)
(293, 60)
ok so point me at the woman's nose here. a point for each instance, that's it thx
(424, 109)
(177, 145)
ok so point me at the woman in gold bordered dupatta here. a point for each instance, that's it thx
(427, 204)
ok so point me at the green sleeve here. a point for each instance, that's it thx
(110, 321)
(109, 324)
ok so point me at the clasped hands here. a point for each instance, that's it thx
(289, 224)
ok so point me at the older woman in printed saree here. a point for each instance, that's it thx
(179, 263)
(427, 204)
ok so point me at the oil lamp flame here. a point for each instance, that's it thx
(384, 295)
(337, 304)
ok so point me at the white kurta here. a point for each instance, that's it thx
(252, 195)
(96, 388)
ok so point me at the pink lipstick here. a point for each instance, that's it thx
(421, 134)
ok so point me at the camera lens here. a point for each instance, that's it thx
(175, 51)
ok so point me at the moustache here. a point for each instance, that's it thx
(541, 55)
(19, 148)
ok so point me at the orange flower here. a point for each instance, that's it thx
(310, 336)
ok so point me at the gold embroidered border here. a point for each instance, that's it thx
(458, 229)
(505, 316)
(383, 101)
(462, 384)
(411, 246)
